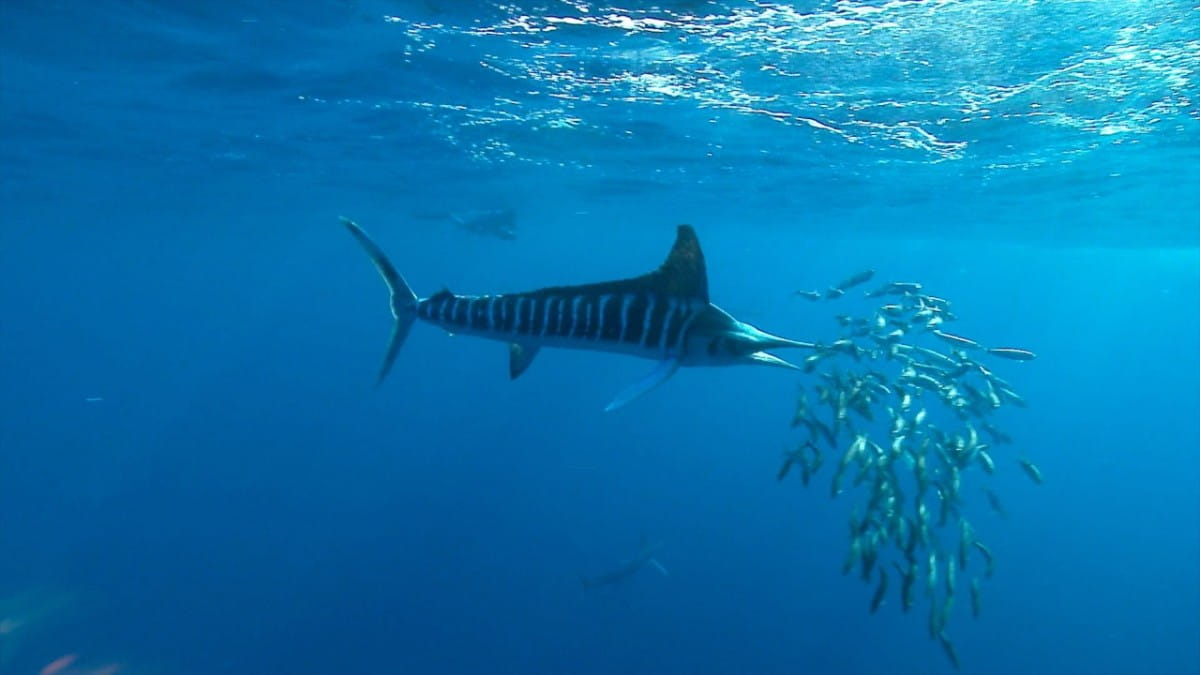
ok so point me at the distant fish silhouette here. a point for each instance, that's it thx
(644, 557)
(498, 223)
(58, 665)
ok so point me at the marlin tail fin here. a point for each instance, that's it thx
(403, 300)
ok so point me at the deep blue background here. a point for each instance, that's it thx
(242, 500)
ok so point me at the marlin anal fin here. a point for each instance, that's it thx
(519, 358)
(661, 374)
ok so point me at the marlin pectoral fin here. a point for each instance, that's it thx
(661, 374)
(519, 358)
(658, 566)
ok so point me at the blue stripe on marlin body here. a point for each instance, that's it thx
(664, 315)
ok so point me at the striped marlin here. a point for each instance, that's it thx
(664, 315)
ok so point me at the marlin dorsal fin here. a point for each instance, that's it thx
(683, 274)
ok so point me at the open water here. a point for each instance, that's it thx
(197, 476)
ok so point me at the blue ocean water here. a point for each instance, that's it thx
(197, 476)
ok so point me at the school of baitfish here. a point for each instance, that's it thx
(909, 421)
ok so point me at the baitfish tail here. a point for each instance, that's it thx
(403, 300)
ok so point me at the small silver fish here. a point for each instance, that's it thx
(789, 458)
(881, 591)
(964, 543)
(950, 577)
(852, 555)
(994, 502)
(956, 339)
(998, 437)
(1012, 353)
(1031, 470)
(860, 278)
(907, 581)
(987, 555)
(1011, 396)
(926, 382)
(975, 597)
(935, 301)
(948, 647)
(835, 487)
(985, 460)
(905, 287)
(895, 288)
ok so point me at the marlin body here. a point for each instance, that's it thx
(664, 315)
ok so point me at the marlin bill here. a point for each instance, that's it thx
(664, 315)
